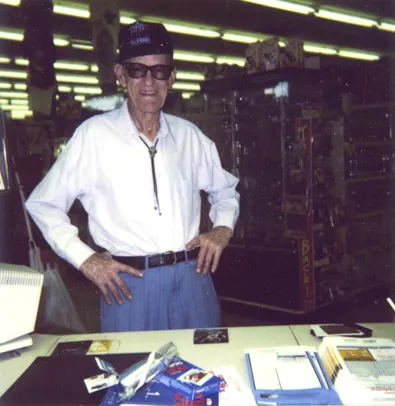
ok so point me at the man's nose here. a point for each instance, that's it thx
(148, 78)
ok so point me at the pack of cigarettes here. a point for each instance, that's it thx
(191, 381)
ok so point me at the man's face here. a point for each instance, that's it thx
(147, 94)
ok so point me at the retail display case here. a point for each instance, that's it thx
(311, 194)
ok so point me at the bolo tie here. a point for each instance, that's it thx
(152, 152)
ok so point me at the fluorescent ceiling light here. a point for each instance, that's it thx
(4, 101)
(190, 75)
(283, 5)
(21, 115)
(192, 57)
(282, 44)
(346, 18)
(60, 41)
(21, 61)
(16, 95)
(94, 68)
(387, 27)
(4, 59)
(83, 47)
(245, 39)
(20, 86)
(13, 107)
(359, 55)
(199, 32)
(84, 79)
(316, 49)
(88, 90)
(20, 102)
(126, 19)
(13, 74)
(79, 97)
(71, 66)
(11, 35)
(71, 11)
(66, 89)
(185, 86)
(187, 95)
(5, 85)
(230, 61)
(14, 3)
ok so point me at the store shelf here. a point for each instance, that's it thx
(350, 294)
(262, 248)
(373, 213)
(371, 248)
(371, 143)
(370, 179)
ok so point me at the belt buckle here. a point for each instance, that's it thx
(174, 257)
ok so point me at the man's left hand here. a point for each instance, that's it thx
(211, 246)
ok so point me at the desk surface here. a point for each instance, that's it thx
(206, 356)
(380, 330)
(12, 369)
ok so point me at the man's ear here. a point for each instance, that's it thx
(120, 75)
(172, 78)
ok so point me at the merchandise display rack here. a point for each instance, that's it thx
(309, 194)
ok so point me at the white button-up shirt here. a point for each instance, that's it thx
(108, 168)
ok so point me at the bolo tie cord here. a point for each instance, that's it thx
(152, 152)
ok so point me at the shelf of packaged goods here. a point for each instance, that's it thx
(263, 248)
(371, 143)
(372, 106)
(349, 294)
(373, 213)
(371, 248)
(370, 179)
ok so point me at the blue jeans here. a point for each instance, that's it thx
(166, 298)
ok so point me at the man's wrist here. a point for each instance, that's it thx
(225, 229)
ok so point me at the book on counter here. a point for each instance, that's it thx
(362, 369)
(289, 376)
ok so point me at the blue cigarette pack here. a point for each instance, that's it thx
(191, 381)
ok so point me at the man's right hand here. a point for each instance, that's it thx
(104, 271)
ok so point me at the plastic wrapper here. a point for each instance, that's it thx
(133, 378)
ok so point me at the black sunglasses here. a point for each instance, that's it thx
(138, 70)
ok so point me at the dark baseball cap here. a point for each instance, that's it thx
(140, 39)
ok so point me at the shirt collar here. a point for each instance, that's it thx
(128, 127)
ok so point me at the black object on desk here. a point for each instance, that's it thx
(60, 380)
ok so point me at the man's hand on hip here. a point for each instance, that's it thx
(104, 271)
(211, 246)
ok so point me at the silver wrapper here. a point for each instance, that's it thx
(133, 378)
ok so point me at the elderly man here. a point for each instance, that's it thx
(138, 173)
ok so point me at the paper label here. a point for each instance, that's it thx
(100, 382)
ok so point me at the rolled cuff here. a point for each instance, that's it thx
(225, 219)
(78, 252)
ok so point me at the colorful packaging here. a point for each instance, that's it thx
(191, 381)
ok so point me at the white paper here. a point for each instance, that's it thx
(236, 393)
(283, 368)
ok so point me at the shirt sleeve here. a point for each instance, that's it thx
(51, 200)
(220, 186)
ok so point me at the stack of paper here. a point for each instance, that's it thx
(289, 376)
(362, 369)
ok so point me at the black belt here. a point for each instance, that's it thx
(153, 261)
